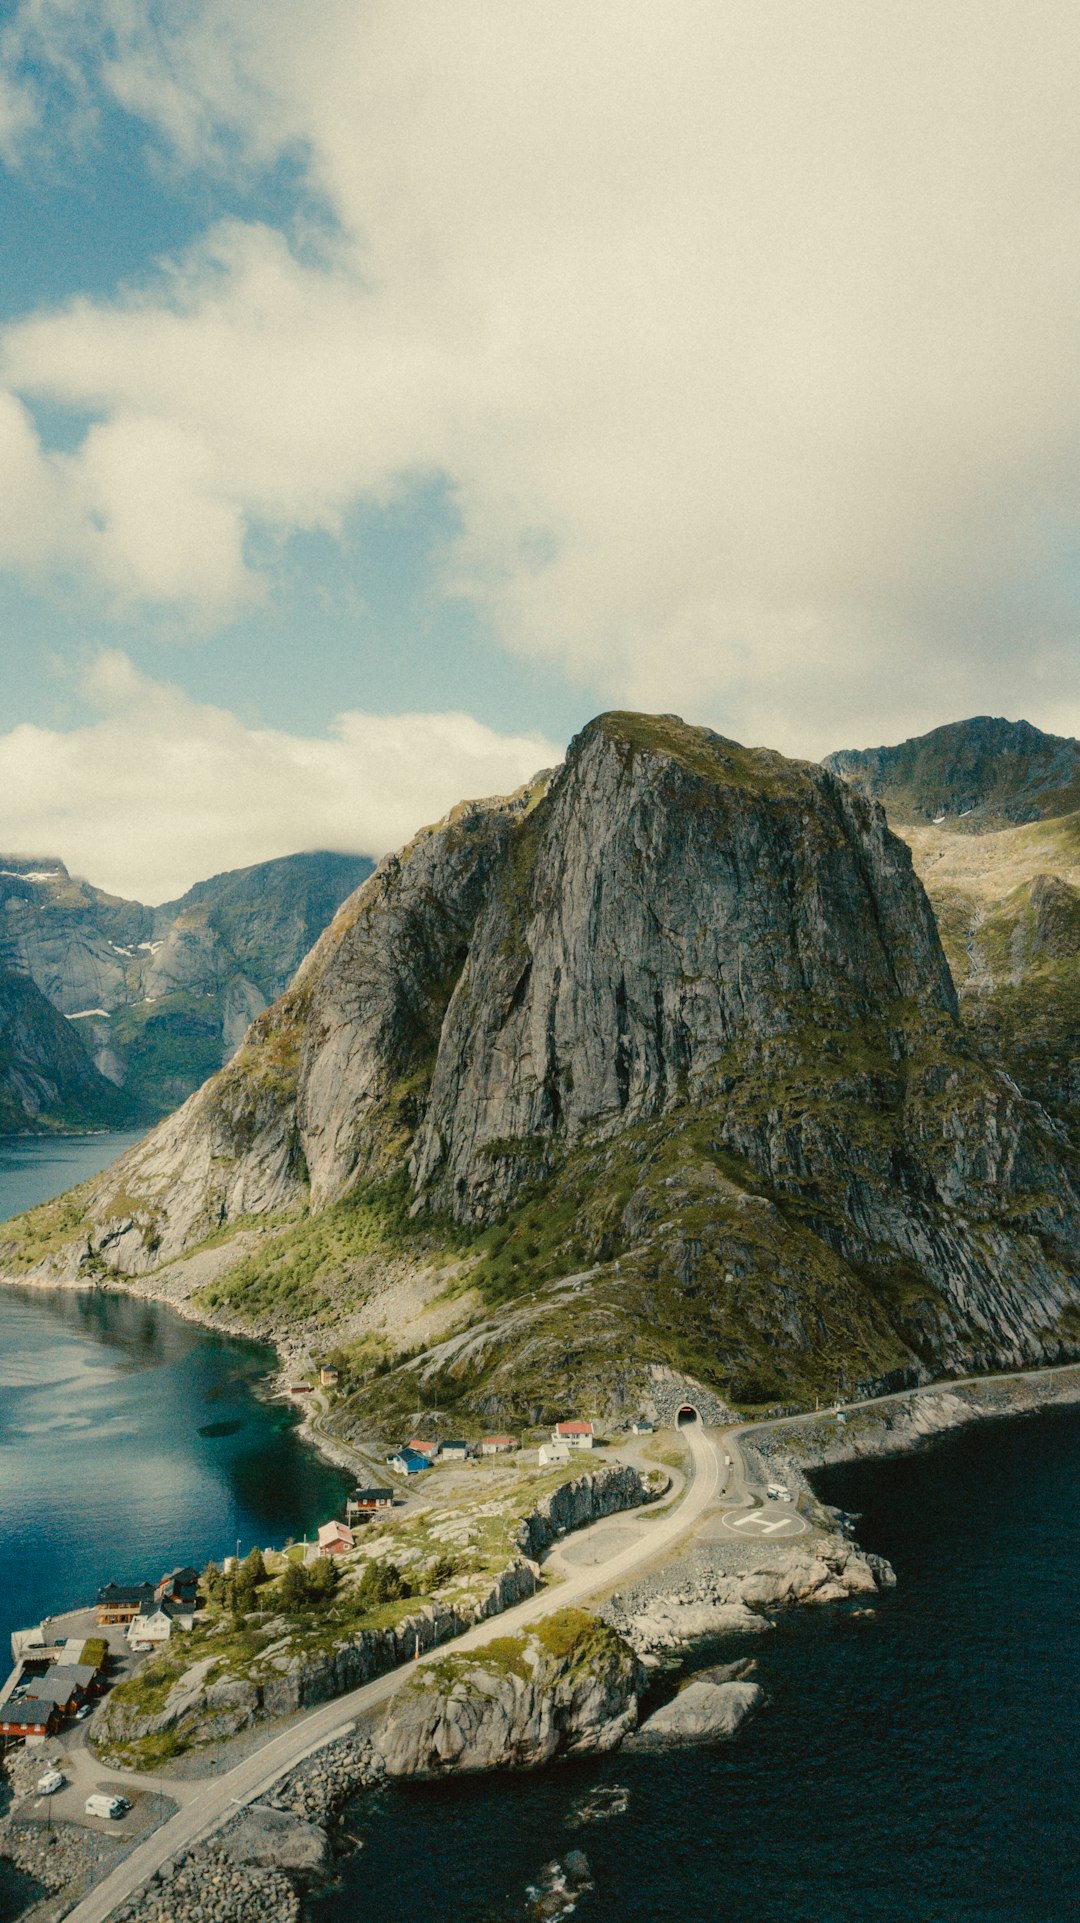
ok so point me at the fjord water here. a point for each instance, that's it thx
(131, 1440)
(919, 1765)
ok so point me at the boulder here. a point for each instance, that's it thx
(276, 1839)
(700, 1713)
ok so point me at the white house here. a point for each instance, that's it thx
(497, 1446)
(642, 1427)
(576, 1435)
(454, 1451)
(154, 1624)
(554, 1452)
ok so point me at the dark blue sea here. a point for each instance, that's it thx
(130, 1440)
(917, 1766)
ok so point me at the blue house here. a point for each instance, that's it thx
(408, 1463)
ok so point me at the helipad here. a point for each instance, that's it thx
(771, 1524)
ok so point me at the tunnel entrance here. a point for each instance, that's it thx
(686, 1415)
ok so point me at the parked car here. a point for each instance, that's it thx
(83, 1712)
(99, 1805)
(48, 1784)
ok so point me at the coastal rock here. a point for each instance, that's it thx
(569, 1687)
(703, 1712)
(716, 1600)
(277, 1839)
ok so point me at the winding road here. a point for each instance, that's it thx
(219, 1798)
(719, 1469)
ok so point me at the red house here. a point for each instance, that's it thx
(31, 1719)
(335, 1538)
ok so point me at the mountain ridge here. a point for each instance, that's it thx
(653, 1066)
(163, 996)
(984, 772)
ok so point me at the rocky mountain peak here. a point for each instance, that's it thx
(985, 772)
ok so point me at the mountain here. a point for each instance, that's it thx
(163, 996)
(651, 1071)
(1006, 897)
(976, 774)
(47, 1080)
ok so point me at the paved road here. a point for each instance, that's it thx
(216, 1800)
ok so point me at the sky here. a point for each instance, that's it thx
(387, 388)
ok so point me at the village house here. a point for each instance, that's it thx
(121, 1602)
(454, 1451)
(180, 1587)
(497, 1445)
(31, 1719)
(155, 1623)
(65, 1685)
(576, 1435)
(554, 1452)
(366, 1501)
(428, 1449)
(407, 1462)
(642, 1427)
(328, 1376)
(335, 1538)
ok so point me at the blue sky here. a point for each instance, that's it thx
(384, 390)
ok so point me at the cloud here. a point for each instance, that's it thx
(159, 791)
(745, 336)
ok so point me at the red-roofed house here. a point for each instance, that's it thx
(428, 1449)
(334, 1539)
(576, 1435)
(497, 1445)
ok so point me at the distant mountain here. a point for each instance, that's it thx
(982, 773)
(991, 812)
(47, 1080)
(162, 997)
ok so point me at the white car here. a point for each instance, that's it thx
(48, 1784)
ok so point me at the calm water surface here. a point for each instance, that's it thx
(917, 1766)
(130, 1440)
(34, 1168)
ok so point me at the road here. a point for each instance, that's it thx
(218, 1799)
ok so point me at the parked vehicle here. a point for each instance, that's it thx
(99, 1805)
(48, 1784)
(83, 1712)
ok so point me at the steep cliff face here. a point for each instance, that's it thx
(673, 900)
(665, 1049)
(976, 774)
(47, 1080)
(162, 997)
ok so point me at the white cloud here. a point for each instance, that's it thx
(160, 792)
(745, 335)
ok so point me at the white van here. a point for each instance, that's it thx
(778, 1492)
(105, 1805)
(48, 1784)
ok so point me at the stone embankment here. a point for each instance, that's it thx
(898, 1426)
(717, 1590)
(207, 1886)
(61, 1860)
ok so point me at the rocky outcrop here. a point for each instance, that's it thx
(598, 1493)
(712, 1597)
(570, 1687)
(703, 1712)
(276, 1839)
